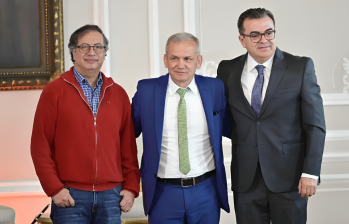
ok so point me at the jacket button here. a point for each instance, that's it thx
(258, 122)
(255, 143)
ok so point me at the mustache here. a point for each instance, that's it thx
(263, 45)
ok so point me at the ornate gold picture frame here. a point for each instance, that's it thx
(31, 43)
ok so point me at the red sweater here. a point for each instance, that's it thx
(71, 148)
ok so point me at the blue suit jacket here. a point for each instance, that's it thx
(148, 107)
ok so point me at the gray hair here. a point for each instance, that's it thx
(182, 37)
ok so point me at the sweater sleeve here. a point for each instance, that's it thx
(130, 169)
(42, 142)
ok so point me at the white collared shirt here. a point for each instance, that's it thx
(248, 78)
(201, 155)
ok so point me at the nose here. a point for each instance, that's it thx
(91, 51)
(263, 40)
(181, 63)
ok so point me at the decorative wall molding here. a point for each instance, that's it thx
(230, 193)
(192, 24)
(153, 28)
(189, 12)
(335, 99)
(208, 68)
(101, 19)
(326, 185)
(327, 158)
(332, 189)
(335, 157)
(23, 188)
(20, 188)
(334, 182)
(337, 135)
(329, 182)
(335, 177)
(331, 135)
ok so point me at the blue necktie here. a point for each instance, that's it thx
(256, 99)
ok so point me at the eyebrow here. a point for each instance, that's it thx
(93, 44)
(264, 31)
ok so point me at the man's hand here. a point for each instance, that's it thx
(307, 187)
(127, 202)
(63, 199)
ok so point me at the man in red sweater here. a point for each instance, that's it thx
(83, 143)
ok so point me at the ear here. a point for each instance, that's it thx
(73, 51)
(165, 60)
(242, 40)
(199, 62)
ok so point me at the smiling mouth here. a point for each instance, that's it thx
(263, 47)
(91, 60)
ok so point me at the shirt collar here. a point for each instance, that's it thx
(81, 79)
(172, 87)
(251, 63)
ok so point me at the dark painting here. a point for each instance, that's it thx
(31, 43)
(20, 33)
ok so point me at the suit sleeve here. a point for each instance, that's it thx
(42, 142)
(313, 120)
(221, 73)
(129, 161)
(136, 115)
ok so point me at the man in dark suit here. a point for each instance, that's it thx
(181, 117)
(277, 126)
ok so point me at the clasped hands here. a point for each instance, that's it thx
(64, 199)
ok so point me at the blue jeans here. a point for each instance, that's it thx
(102, 207)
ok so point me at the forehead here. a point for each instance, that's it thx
(258, 25)
(91, 37)
(185, 48)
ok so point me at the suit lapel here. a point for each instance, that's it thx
(160, 96)
(207, 103)
(237, 73)
(277, 71)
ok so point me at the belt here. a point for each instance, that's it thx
(187, 182)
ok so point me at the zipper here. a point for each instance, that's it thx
(80, 95)
(95, 123)
(95, 126)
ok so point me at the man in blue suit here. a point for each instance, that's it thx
(181, 116)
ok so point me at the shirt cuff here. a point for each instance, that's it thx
(309, 176)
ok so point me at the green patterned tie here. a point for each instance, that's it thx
(184, 164)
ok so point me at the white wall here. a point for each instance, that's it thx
(306, 28)
(129, 43)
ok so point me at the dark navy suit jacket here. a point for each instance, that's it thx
(288, 137)
(148, 107)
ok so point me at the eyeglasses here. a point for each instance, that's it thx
(256, 36)
(98, 49)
